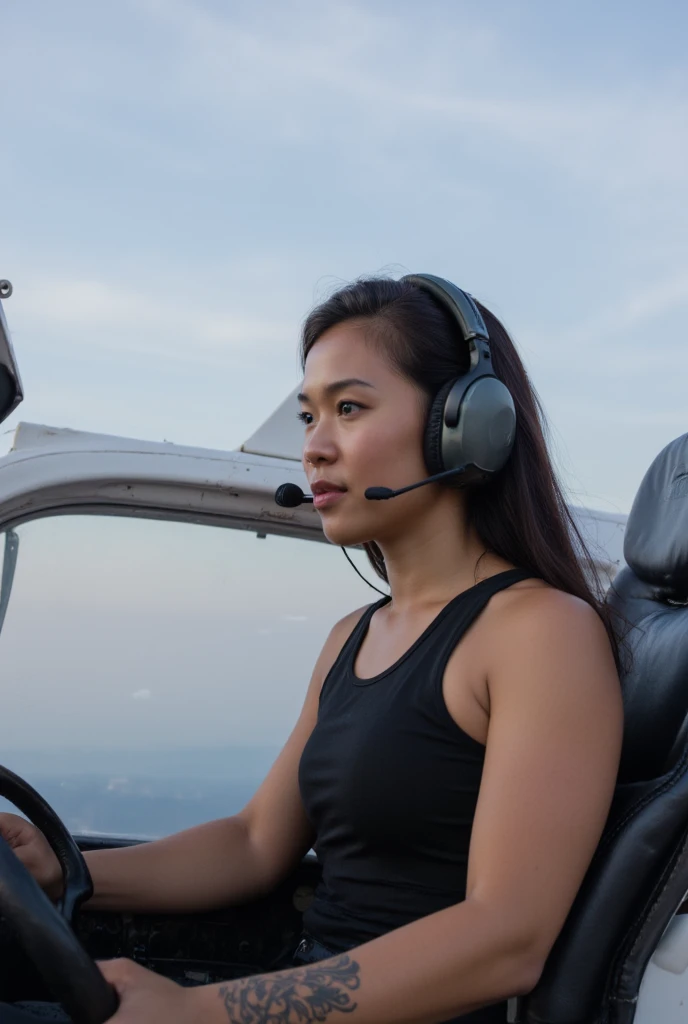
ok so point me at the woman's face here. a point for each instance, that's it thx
(363, 428)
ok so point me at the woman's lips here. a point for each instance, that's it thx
(325, 499)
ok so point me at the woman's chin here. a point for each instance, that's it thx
(342, 533)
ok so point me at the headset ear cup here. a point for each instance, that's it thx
(432, 444)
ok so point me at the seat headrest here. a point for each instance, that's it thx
(656, 540)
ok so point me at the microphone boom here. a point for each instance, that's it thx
(382, 493)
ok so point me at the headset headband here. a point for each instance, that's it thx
(466, 314)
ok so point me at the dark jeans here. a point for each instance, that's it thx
(28, 1013)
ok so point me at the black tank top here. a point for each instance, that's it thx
(390, 784)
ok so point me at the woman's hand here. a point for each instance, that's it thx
(33, 850)
(146, 998)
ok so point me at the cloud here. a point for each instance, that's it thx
(98, 314)
(342, 74)
(142, 695)
(627, 336)
(401, 77)
(653, 300)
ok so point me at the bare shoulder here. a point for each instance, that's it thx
(543, 633)
(532, 609)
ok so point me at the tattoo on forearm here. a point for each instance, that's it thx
(297, 996)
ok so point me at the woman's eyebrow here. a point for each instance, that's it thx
(338, 385)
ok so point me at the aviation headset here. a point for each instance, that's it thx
(471, 423)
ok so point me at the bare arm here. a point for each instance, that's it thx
(551, 761)
(230, 860)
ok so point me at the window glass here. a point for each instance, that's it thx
(150, 671)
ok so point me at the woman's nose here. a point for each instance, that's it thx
(319, 446)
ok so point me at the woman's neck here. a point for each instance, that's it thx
(440, 557)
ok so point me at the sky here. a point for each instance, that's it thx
(182, 179)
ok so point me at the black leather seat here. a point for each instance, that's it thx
(639, 875)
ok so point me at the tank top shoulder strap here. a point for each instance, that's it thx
(350, 646)
(459, 615)
(500, 581)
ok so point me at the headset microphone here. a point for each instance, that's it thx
(382, 493)
(291, 495)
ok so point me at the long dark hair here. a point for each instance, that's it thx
(521, 514)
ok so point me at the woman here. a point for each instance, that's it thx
(456, 754)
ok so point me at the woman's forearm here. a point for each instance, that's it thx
(202, 868)
(444, 965)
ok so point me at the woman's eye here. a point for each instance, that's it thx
(346, 408)
(305, 417)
